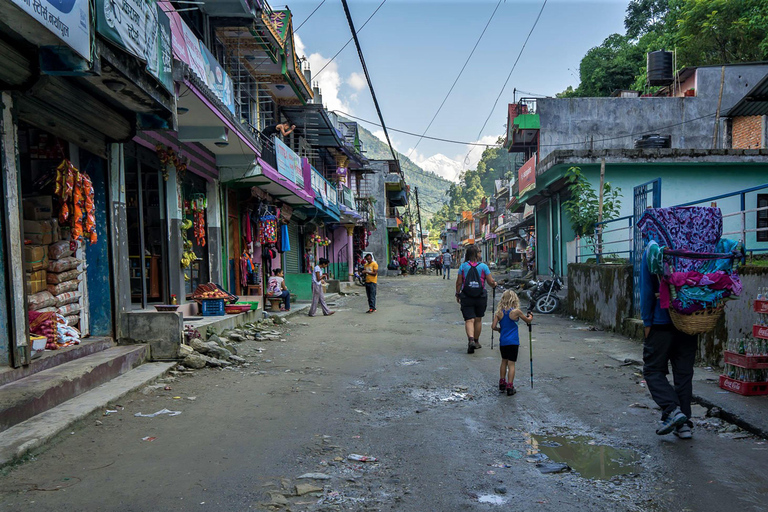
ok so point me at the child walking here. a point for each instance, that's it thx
(505, 322)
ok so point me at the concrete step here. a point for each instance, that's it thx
(36, 393)
(51, 358)
(20, 439)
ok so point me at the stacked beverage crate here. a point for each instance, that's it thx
(746, 359)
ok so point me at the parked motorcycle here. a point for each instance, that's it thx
(359, 276)
(543, 296)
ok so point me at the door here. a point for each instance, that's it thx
(292, 257)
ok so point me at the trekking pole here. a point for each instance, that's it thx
(493, 312)
(530, 346)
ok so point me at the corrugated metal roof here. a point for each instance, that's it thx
(754, 103)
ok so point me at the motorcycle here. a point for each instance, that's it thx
(359, 276)
(543, 295)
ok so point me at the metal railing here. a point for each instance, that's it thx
(324, 188)
(346, 198)
(614, 242)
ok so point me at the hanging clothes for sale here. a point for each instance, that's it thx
(268, 229)
(285, 238)
(247, 227)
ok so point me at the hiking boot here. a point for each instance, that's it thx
(511, 390)
(684, 431)
(477, 344)
(502, 384)
(470, 347)
(673, 420)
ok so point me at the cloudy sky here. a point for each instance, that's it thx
(415, 49)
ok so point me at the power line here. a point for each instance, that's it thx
(345, 114)
(368, 76)
(350, 39)
(520, 54)
(457, 79)
(307, 19)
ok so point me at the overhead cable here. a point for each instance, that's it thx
(368, 76)
(307, 18)
(350, 39)
(457, 79)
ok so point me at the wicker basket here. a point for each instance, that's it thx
(698, 322)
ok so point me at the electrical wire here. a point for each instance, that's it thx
(456, 80)
(345, 114)
(307, 19)
(350, 39)
(368, 76)
(520, 54)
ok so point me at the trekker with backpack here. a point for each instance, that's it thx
(471, 294)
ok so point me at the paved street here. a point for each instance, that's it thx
(396, 385)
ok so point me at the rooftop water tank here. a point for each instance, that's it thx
(660, 70)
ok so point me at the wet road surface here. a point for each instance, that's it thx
(397, 385)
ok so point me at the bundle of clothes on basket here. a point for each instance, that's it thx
(695, 265)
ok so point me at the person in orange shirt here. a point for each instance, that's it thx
(371, 273)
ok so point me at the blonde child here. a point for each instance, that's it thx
(505, 322)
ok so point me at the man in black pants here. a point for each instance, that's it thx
(371, 272)
(664, 344)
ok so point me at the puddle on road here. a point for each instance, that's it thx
(590, 460)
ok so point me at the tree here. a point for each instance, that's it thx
(721, 31)
(610, 66)
(583, 206)
(644, 16)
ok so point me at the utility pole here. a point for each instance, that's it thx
(421, 237)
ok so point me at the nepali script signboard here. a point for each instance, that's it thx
(141, 28)
(69, 20)
(288, 162)
(527, 176)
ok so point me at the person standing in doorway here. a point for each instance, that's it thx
(318, 296)
(447, 262)
(371, 273)
(664, 344)
(472, 296)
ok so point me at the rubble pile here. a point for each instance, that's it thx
(220, 350)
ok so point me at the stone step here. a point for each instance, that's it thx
(51, 358)
(41, 391)
(29, 435)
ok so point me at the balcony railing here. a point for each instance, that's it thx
(324, 188)
(346, 198)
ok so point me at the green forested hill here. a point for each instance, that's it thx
(432, 188)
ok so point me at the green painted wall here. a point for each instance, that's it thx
(543, 238)
(300, 284)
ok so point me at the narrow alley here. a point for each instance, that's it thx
(281, 432)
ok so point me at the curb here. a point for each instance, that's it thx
(731, 417)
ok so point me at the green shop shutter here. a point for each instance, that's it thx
(292, 256)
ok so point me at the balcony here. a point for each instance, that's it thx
(346, 198)
(324, 190)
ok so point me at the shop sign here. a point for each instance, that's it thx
(288, 162)
(528, 211)
(191, 51)
(69, 20)
(527, 176)
(141, 28)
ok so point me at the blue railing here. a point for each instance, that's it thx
(616, 241)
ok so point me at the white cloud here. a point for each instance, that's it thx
(472, 154)
(329, 80)
(357, 81)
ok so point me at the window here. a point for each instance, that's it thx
(762, 217)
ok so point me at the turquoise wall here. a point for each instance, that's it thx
(300, 284)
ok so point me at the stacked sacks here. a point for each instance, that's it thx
(63, 281)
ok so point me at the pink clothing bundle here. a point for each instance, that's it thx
(715, 281)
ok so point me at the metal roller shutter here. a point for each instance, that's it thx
(292, 256)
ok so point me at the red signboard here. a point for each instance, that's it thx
(527, 176)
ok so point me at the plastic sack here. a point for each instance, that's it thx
(62, 277)
(69, 309)
(40, 300)
(67, 298)
(62, 265)
(72, 319)
(68, 286)
(59, 250)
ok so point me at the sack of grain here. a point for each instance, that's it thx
(40, 300)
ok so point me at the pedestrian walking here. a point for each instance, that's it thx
(439, 265)
(505, 322)
(447, 261)
(371, 273)
(318, 296)
(665, 345)
(472, 296)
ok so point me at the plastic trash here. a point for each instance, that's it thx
(361, 458)
(313, 476)
(158, 413)
(553, 467)
(150, 439)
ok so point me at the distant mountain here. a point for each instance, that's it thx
(442, 166)
(432, 187)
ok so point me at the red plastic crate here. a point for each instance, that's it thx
(743, 388)
(761, 306)
(749, 362)
(760, 331)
